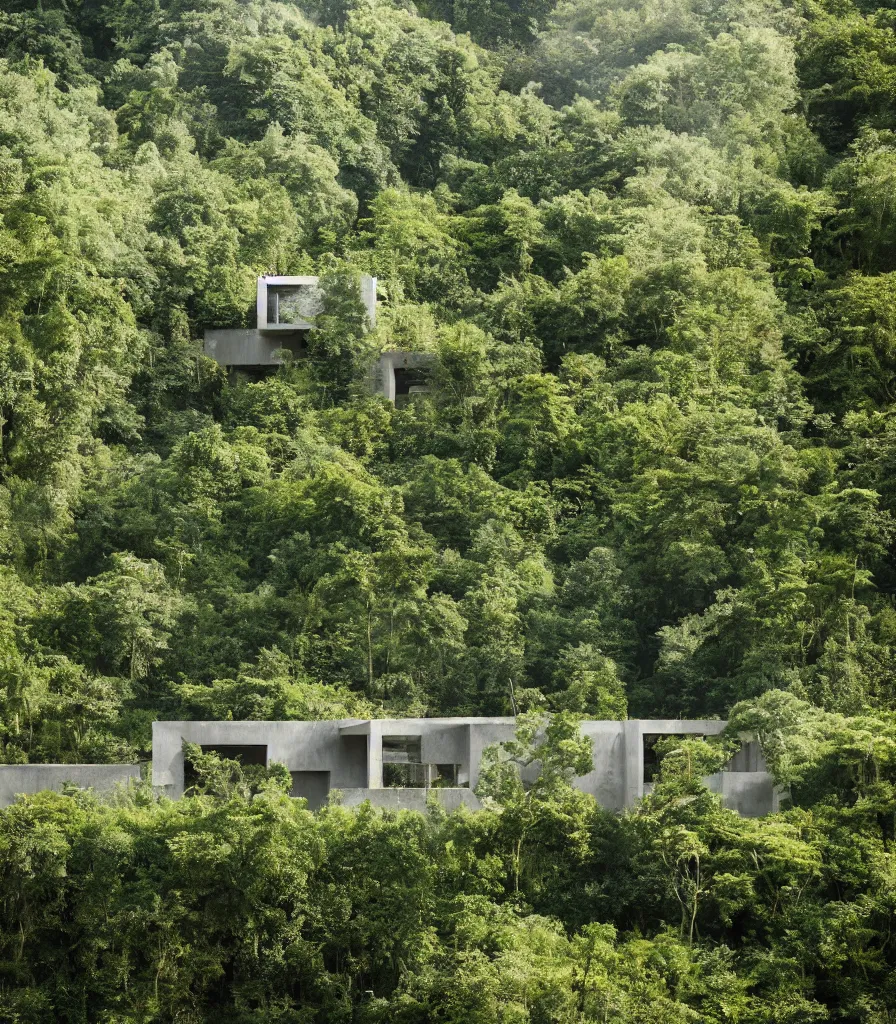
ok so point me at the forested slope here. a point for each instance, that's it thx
(651, 245)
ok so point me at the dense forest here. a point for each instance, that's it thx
(651, 248)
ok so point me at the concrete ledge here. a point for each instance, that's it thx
(410, 799)
(246, 347)
(17, 779)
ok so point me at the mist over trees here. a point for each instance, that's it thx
(651, 247)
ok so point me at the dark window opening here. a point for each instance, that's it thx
(445, 775)
(313, 786)
(405, 776)
(245, 754)
(403, 766)
(401, 763)
(652, 758)
(410, 381)
(292, 342)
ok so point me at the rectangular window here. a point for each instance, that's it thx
(410, 381)
(244, 753)
(652, 759)
(293, 303)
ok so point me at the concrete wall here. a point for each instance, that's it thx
(241, 347)
(33, 778)
(751, 794)
(607, 779)
(301, 746)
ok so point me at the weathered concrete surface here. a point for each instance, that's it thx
(33, 778)
(301, 746)
(410, 799)
(245, 347)
(751, 794)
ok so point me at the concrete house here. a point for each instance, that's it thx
(285, 310)
(400, 762)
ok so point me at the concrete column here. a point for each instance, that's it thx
(368, 297)
(387, 370)
(168, 758)
(633, 753)
(375, 756)
(261, 304)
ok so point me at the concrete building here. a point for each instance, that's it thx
(285, 311)
(400, 762)
(18, 779)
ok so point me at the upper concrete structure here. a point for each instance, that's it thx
(400, 763)
(285, 310)
(17, 779)
(394, 762)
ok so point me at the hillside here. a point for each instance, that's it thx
(651, 247)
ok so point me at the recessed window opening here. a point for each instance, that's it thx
(652, 758)
(445, 775)
(244, 753)
(410, 381)
(401, 763)
(403, 766)
(293, 303)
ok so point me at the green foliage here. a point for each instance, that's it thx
(237, 902)
(649, 246)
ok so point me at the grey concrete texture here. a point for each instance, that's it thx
(250, 347)
(16, 779)
(301, 746)
(751, 794)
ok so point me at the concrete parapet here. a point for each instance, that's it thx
(18, 779)
(410, 799)
(243, 347)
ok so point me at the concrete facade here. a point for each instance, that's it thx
(396, 762)
(18, 779)
(244, 347)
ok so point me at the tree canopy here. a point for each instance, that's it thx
(650, 248)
